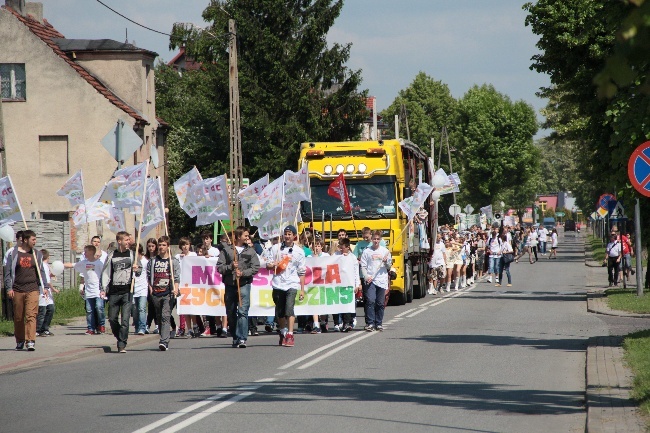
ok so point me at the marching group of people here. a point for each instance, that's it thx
(460, 258)
(140, 285)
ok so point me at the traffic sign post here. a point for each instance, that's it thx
(638, 170)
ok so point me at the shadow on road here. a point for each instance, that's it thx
(565, 344)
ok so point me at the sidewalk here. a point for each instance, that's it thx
(68, 343)
(609, 381)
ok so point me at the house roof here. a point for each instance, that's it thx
(190, 64)
(47, 33)
(99, 45)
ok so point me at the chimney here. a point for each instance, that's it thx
(35, 10)
(17, 5)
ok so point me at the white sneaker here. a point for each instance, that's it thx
(337, 328)
(489, 280)
(354, 322)
(448, 289)
(496, 280)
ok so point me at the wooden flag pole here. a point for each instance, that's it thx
(137, 236)
(232, 240)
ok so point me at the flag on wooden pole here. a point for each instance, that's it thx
(182, 188)
(73, 189)
(339, 190)
(10, 210)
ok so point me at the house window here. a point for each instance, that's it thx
(12, 81)
(53, 154)
(56, 216)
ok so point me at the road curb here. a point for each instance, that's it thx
(61, 357)
(596, 304)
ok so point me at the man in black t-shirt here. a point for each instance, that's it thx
(116, 282)
(161, 288)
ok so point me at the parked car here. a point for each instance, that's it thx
(549, 223)
(569, 226)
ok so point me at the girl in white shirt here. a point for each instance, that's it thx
(186, 321)
(553, 245)
(532, 245)
(506, 248)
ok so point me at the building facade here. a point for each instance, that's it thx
(60, 97)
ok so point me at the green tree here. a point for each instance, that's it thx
(497, 143)
(429, 107)
(293, 88)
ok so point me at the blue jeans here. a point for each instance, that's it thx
(495, 265)
(374, 304)
(140, 313)
(504, 267)
(542, 247)
(238, 316)
(95, 316)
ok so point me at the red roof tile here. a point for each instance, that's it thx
(45, 31)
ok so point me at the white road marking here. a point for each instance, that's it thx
(405, 312)
(332, 352)
(314, 352)
(267, 380)
(216, 408)
(421, 310)
(182, 412)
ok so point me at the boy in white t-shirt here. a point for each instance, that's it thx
(91, 269)
(45, 301)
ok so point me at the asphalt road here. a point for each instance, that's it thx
(489, 359)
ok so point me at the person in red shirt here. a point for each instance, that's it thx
(627, 255)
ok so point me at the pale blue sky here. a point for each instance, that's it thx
(459, 42)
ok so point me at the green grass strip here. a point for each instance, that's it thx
(637, 356)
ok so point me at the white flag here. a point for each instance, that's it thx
(296, 185)
(211, 191)
(211, 198)
(73, 189)
(92, 210)
(487, 210)
(154, 207)
(249, 195)
(125, 189)
(268, 203)
(9, 207)
(116, 222)
(412, 204)
(182, 188)
(272, 228)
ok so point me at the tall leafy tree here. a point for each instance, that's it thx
(293, 87)
(429, 106)
(497, 143)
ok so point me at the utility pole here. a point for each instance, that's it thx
(404, 115)
(3, 152)
(236, 171)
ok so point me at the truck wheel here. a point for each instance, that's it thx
(408, 282)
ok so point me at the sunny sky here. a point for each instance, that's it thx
(459, 42)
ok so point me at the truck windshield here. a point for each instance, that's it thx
(370, 198)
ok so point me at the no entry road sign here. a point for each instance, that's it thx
(638, 169)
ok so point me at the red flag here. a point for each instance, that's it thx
(338, 190)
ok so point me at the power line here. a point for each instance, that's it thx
(129, 19)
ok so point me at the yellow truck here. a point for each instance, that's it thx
(378, 175)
